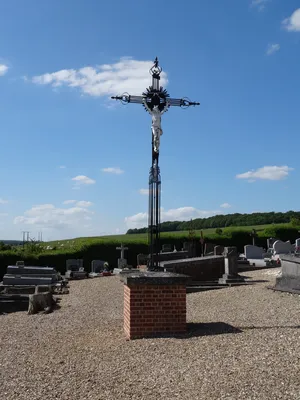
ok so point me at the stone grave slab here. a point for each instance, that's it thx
(253, 252)
(289, 281)
(208, 268)
(281, 247)
(19, 275)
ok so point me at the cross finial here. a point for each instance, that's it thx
(155, 70)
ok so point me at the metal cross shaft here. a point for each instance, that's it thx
(156, 101)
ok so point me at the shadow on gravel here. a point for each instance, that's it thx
(246, 328)
(210, 328)
(7, 307)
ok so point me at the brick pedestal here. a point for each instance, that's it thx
(154, 304)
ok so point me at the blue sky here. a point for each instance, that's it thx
(75, 163)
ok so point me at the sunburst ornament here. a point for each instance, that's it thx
(156, 98)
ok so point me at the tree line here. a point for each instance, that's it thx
(223, 221)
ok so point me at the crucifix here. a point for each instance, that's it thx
(156, 101)
(122, 248)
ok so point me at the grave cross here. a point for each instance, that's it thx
(122, 248)
(156, 101)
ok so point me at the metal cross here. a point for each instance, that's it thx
(156, 101)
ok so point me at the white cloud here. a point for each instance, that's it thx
(113, 170)
(260, 5)
(62, 167)
(83, 203)
(127, 75)
(2, 201)
(80, 203)
(140, 220)
(292, 24)
(144, 192)
(272, 173)
(225, 205)
(50, 217)
(69, 201)
(3, 69)
(272, 48)
(82, 180)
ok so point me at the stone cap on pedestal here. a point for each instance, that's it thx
(290, 257)
(154, 278)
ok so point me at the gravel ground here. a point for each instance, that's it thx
(244, 343)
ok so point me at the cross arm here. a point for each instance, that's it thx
(127, 98)
(184, 102)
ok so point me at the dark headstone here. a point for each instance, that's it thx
(209, 248)
(270, 242)
(166, 248)
(218, 250)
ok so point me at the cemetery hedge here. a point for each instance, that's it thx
(105, 247)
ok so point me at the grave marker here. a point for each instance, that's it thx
(122, 262)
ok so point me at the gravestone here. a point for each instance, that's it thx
(186, 246)
(270, 242)
(231, 267)
(209, 248)
(141, 259)
(281, 247)
(289, 281)
(172, 255)
(75, 269)
(122, 262)
(297, 246)
(20, 263)
(19, 275)
(253, 252)
(198, 268)
(218, 250)
(97, 268)
(166, 248)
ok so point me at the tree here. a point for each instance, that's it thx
(295, 221)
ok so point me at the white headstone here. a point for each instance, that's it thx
(281, 247)
(253, 252)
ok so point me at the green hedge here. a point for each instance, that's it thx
(105, 249)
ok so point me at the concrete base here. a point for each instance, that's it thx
(289, 281)
(125, 271)
(94, 275)
(76, 275)
(227, 279)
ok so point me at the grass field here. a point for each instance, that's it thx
(142, 237)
